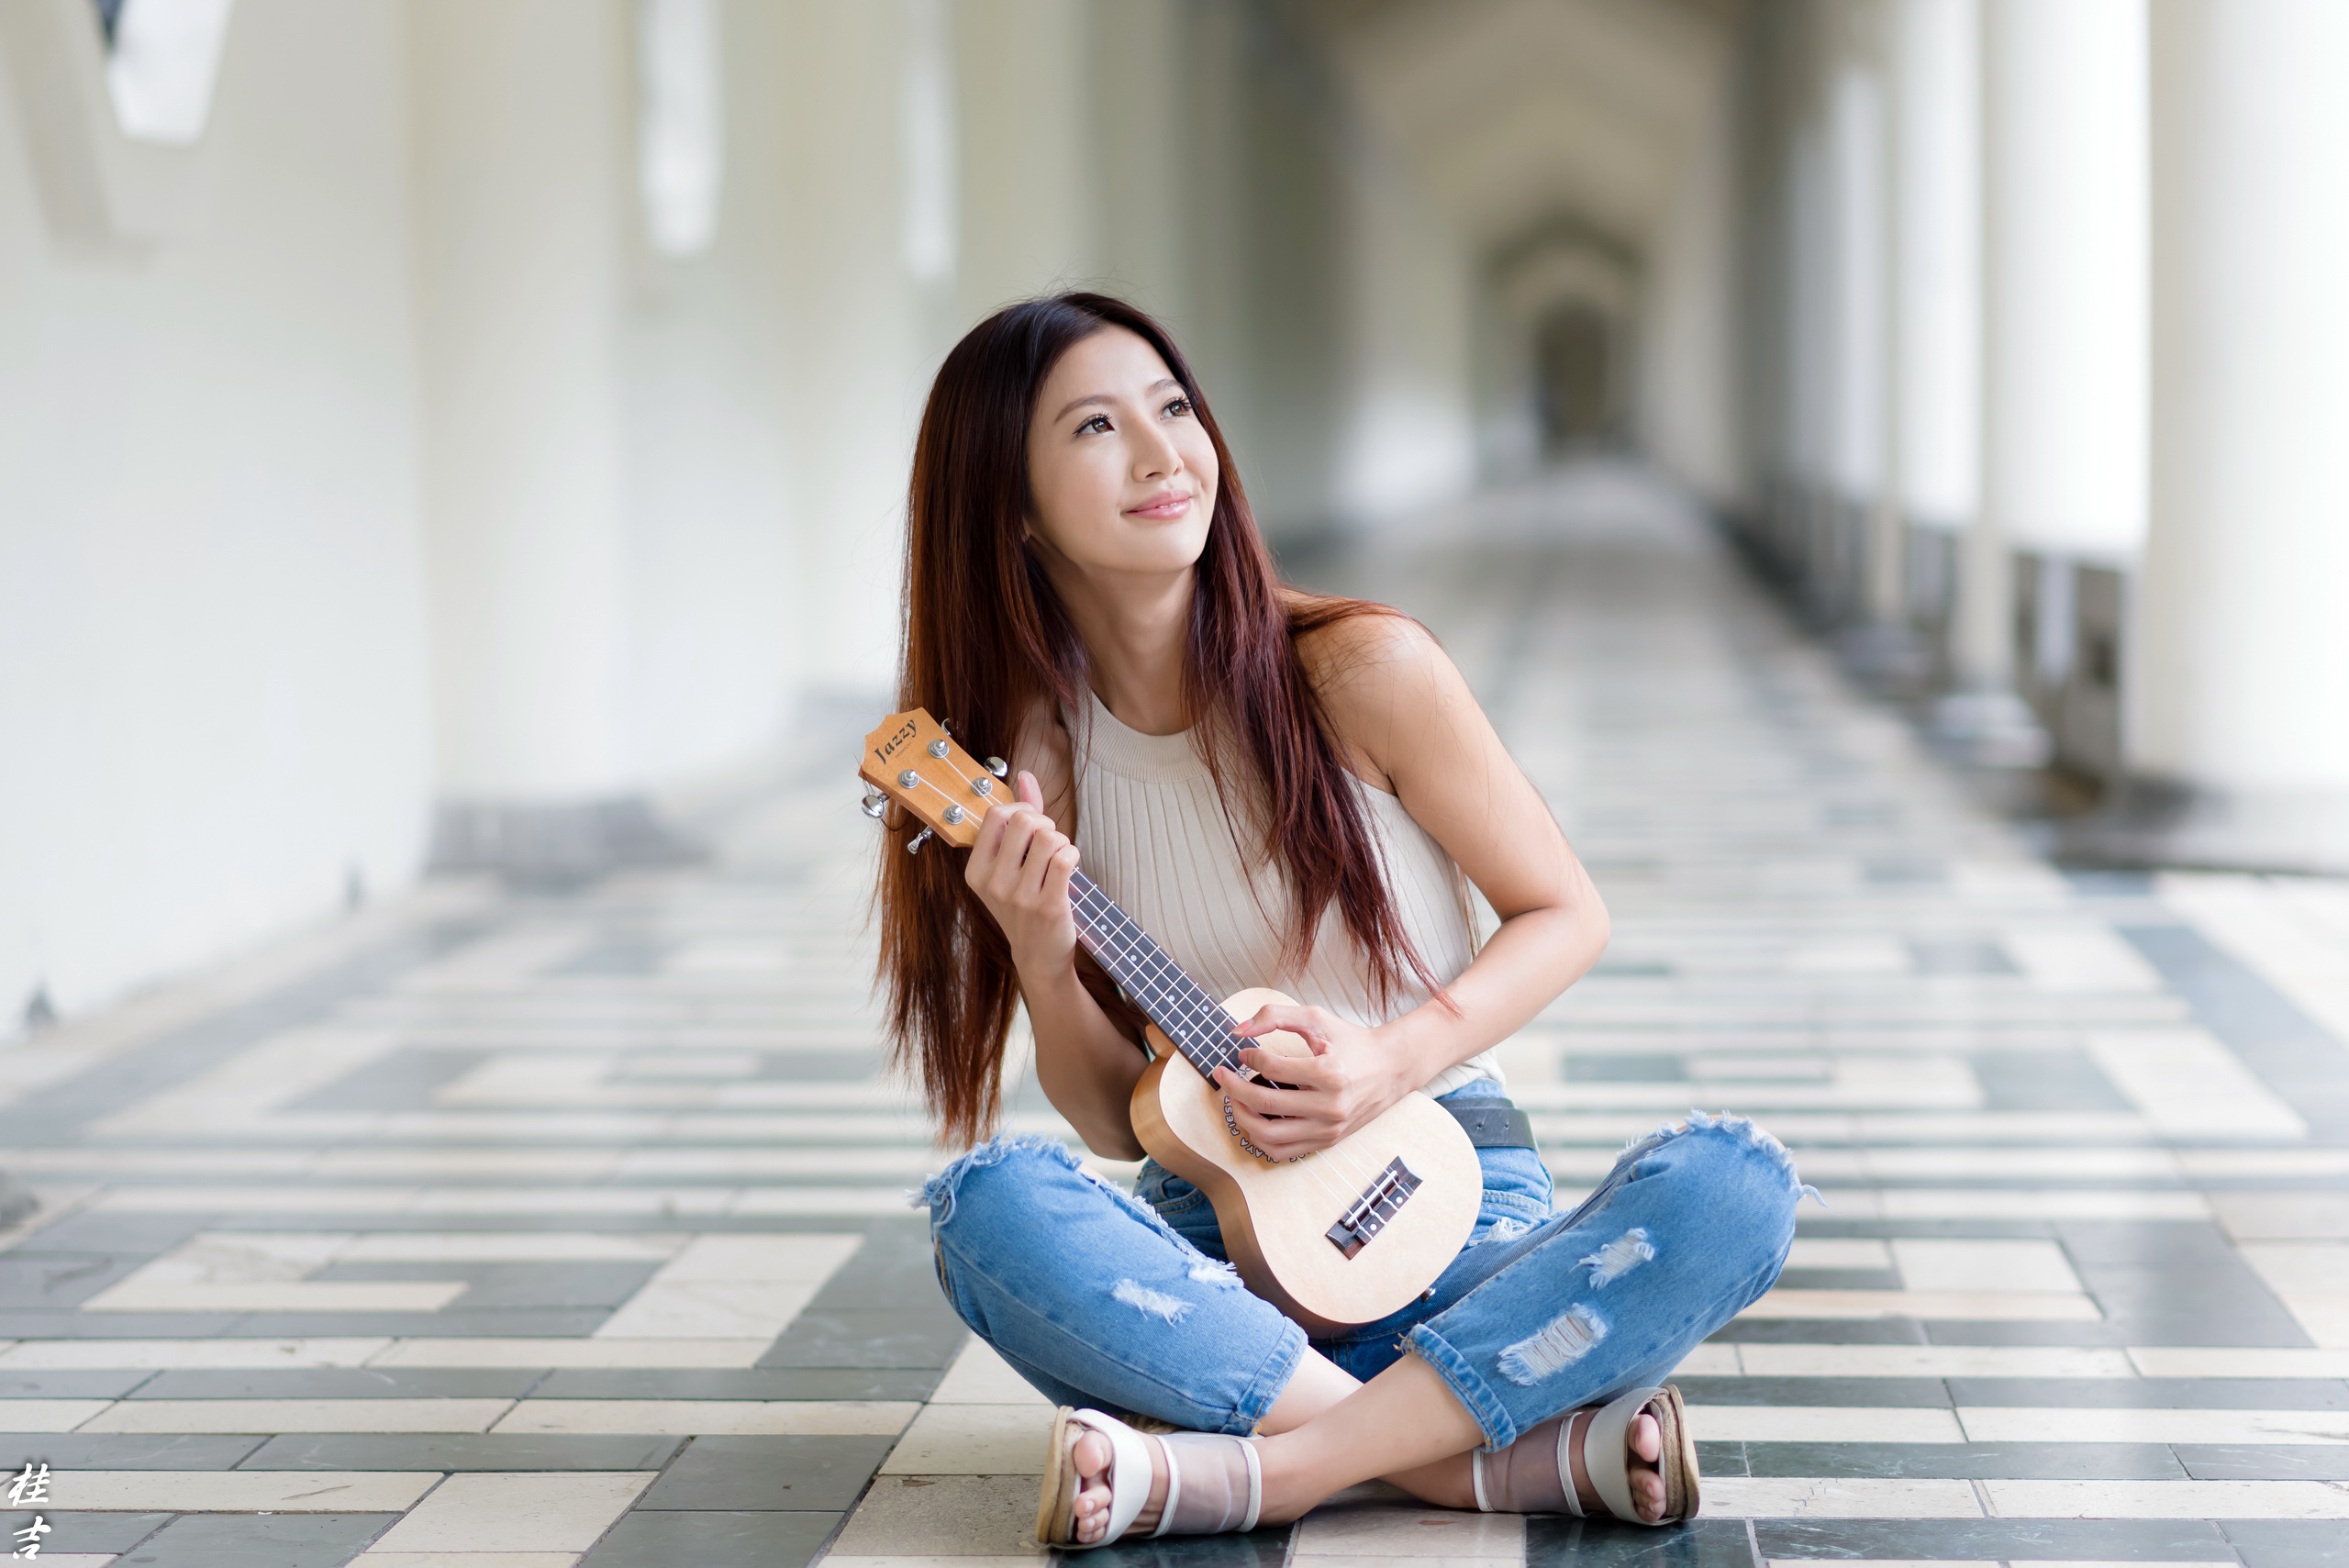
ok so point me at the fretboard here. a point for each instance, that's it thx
(1194, 1020)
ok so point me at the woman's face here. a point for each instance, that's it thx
(1121, 470)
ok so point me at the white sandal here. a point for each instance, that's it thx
(1209, 1505)
(1580, 1463)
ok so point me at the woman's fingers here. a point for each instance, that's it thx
(1310, 1023)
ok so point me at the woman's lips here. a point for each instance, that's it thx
(1162, 507)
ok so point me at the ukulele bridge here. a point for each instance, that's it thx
(1380, 1202)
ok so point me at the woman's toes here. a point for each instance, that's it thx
(1647, 1490)
(1091, 1454)
(1647, 1438)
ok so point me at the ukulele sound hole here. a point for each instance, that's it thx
(1368, 1215)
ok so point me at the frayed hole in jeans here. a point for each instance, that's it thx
(1621, 1256)
(1561, 1342)
(1156, 1303)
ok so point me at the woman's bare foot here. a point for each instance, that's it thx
(1647, 1441)
(1092, 1455)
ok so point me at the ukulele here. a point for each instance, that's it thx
(1336, 1239)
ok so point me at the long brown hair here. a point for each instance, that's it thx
(987, 637)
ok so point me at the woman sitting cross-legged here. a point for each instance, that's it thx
(1284, 790)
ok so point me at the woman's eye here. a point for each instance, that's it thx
(1099, 422)
(1177, 406)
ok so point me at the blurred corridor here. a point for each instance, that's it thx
(453, 458)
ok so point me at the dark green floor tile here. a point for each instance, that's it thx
(2266, 1461)
(93, 1533)
(58, 1282)
(769, 1472)
(1267, 1548)
(115, 1325)
(2075, 1540)
(712, 1541)
(2289, 1543)
(258, 1540)
(748, 1383)
(462, 1451)
(2103, 1461)
(1906, 1392)
(868, 1339)
(68, 1384)
(343, 1382)
(1721, 1458)
(1556, 1543)
(1839, 1279)
(124, 1451)
(2156, 1393)
(1819, 1331)
(149, 1235)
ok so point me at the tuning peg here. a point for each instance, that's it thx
(998, 767)
(913, 844)
(874, 804)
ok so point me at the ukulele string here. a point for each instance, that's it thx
(1310, 1166)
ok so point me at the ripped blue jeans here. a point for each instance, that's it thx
(1125, 1304)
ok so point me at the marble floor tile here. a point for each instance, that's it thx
(1816, 1423)
(947, 1516)
(1983, 1306)
(238, 1491)
(713, 1540)
(974, 1439)
(218, 1540)
(1935, 1361)
(163, 1353)
(296, 1415)
(516, 1512)
(2170, 1499)
(553, 1352)
(1789, 1497)
(979, 1376)
(2197, 1361)
(2058, 1425)
(48, 1414)
(461, 1451)
(2022, 1267)
(802, 1473)
(739, 1417)
(1390, 1531)
(375, 1559)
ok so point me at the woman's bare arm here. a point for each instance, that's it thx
(1415, 729)
(1020, 868)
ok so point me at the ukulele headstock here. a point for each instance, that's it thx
(913, 761)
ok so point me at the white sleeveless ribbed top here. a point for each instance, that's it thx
(1152, 832)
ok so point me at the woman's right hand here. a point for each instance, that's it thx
(1020, 868)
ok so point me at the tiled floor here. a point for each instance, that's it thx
(534, 1230)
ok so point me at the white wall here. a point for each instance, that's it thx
(212, 658)
(1408, 436)
(1688, 380)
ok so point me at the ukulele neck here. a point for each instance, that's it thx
(1153, 980)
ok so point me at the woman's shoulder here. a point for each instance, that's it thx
(1358, 644)
(1381, 676)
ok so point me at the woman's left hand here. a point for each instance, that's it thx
(1351, 1078)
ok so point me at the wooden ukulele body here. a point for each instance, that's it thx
(1275, 1216)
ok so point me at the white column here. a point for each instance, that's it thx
(1857, 443)
(2239, 688)
(2062, 330)
(1937, 260)
(2064, 302)
(520, 212)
